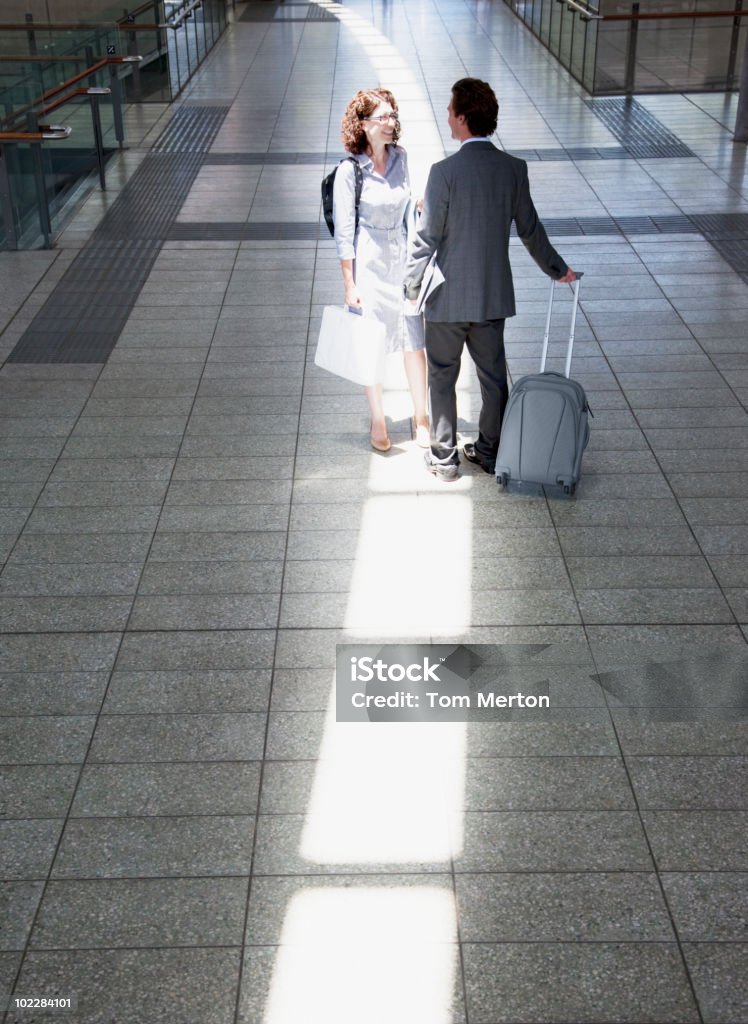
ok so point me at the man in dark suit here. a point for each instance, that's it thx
(471, 199)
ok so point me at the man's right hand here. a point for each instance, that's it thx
(569, 277)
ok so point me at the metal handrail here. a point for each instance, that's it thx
(72, 26)
(51, 93)
(587, 13)
(46, 132)
(24, 58)
(652, 16)
(185, 14)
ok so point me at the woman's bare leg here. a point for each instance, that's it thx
(379, 435)
(415, 371)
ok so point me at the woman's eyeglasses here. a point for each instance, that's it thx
(382, 118)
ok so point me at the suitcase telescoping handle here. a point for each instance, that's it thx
(574, 308)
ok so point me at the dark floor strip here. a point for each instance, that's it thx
(640, 133)
(82, 319)
(305, 230)
(325, 159)
(83, 316)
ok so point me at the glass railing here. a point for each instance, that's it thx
(620, 46)
(79, 76)
(171, 39)
(41, 167)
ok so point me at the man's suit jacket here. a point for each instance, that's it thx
(471, 199)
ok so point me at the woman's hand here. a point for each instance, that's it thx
(352, 298)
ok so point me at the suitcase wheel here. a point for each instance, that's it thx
(502, 479)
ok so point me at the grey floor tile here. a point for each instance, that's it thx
(133, 446)
(196, 986)
(82, 548)
(102, 494)
(18, 903)
(52, 693)
(639, 571)
(162, 790)
(698, 783)
(27, 848)
(697, 840)
(588, 541)
(195, 737)
(708, 907)
(233, 546)
(552, 841)
(248, 468)
(45, 739)
(137, 519)
(229, 492)
(604, 983)
(187, 692)
(643, 732)
(545, 783)
(591, 738)
(718, 972)
(207, 577)
(616, 512)
(216, 649)
(63, 614)
(143, 470)
(142, 912)
(654, 604)
(41, 580)
(37, 791)
(570, 907)
(148, 847)
(218, 518)
(205, 612)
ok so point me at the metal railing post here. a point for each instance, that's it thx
(631, 50)
(741, 118)
(733, 57)
(115, 86)
(41, 186)
(11, 235)
(31, 35)
(93, 95)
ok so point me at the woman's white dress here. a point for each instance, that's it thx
(379, 246)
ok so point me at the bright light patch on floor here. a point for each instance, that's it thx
(413, 565)
(387, 794)
(367, 956)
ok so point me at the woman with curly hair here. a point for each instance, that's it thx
(372, 256)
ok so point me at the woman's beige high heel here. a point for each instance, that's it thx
(381, 446)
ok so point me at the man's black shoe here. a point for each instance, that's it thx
(446, 473)
(472, 456)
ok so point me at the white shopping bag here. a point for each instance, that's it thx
(351, 345)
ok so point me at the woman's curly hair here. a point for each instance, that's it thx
(364, 103)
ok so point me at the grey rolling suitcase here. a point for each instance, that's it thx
(545, 427)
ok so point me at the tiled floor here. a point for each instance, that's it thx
(188, 527)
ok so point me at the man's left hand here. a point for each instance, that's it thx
(569, 277)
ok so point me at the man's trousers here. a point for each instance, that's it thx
(444, 344)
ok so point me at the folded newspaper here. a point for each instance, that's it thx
(432, 279)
